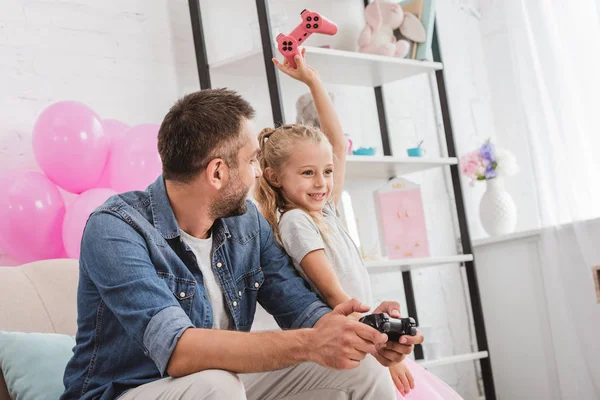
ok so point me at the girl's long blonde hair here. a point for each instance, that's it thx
(276, 146)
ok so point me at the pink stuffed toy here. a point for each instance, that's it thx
(378, 36)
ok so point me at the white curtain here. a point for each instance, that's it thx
(555, 49)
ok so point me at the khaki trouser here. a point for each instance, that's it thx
(302, 382)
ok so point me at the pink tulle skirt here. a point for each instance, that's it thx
(427, 385)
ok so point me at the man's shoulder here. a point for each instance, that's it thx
(127, 206)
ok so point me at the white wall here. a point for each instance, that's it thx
(509, 118)
(131, 59)
(541, 311)
(516, 316)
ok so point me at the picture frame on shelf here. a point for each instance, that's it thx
(401, 220)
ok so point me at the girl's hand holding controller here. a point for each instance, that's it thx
(303, 73)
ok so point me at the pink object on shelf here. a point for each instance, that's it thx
(403, 232)
(349, 146)
(312, 22)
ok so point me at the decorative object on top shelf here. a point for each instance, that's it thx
(401, 218)
(383, 18)
(424, 10)
(416, 151)
(497, 210)
(312, 22)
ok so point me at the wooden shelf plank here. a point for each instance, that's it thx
(453, 359)
(414, 263)
(336, 66)
(387, 167)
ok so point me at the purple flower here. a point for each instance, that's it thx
(487, 152)
(490, 171)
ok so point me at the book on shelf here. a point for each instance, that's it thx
(424, 10)
(428, 20)
(414, 7)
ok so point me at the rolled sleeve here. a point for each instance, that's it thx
(311, 315)
(115, 257)
(163, 332)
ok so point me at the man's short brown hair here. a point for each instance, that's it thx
(200, 127)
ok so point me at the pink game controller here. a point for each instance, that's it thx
(312, 22)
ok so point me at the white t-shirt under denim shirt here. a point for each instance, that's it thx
(300, 235)
(202, 249)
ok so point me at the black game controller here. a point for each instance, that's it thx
(393, 327)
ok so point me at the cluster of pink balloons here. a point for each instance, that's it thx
(81, 154)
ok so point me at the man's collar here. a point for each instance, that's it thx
(163, 217)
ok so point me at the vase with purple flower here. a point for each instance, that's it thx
(497, 210)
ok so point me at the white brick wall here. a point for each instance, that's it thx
(131, 59)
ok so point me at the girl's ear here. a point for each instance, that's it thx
(272, 177)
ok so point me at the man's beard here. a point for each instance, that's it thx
(233, 200)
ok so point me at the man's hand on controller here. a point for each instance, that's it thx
(391, 353)
(340, 342)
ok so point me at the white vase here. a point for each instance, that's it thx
(497, 210)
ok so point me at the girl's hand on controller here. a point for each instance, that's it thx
(394, 352)
(402, 378)
(303, 73)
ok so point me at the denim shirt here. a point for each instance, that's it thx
(140, 288)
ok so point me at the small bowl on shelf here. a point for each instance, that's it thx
(364, 151)
(415, 152)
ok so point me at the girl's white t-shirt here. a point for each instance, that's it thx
(300, 235)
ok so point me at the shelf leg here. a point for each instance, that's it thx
(478, 321)
(267, 40)
(199, 44)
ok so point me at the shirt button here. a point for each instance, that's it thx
(182, 295)
(219, 265)
(235, 303)
(256, 284)
(240, 293)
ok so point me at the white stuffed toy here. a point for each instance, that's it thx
(306, 112)
(378, 35)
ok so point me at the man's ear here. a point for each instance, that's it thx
(217, 173)
(272, 177)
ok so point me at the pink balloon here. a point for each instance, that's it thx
(31, 216)
(70, 145)
(77, 215)
(114, 130)
(134, 160)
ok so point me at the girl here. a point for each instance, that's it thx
(303, 175)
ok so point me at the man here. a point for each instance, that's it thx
(170, 277)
